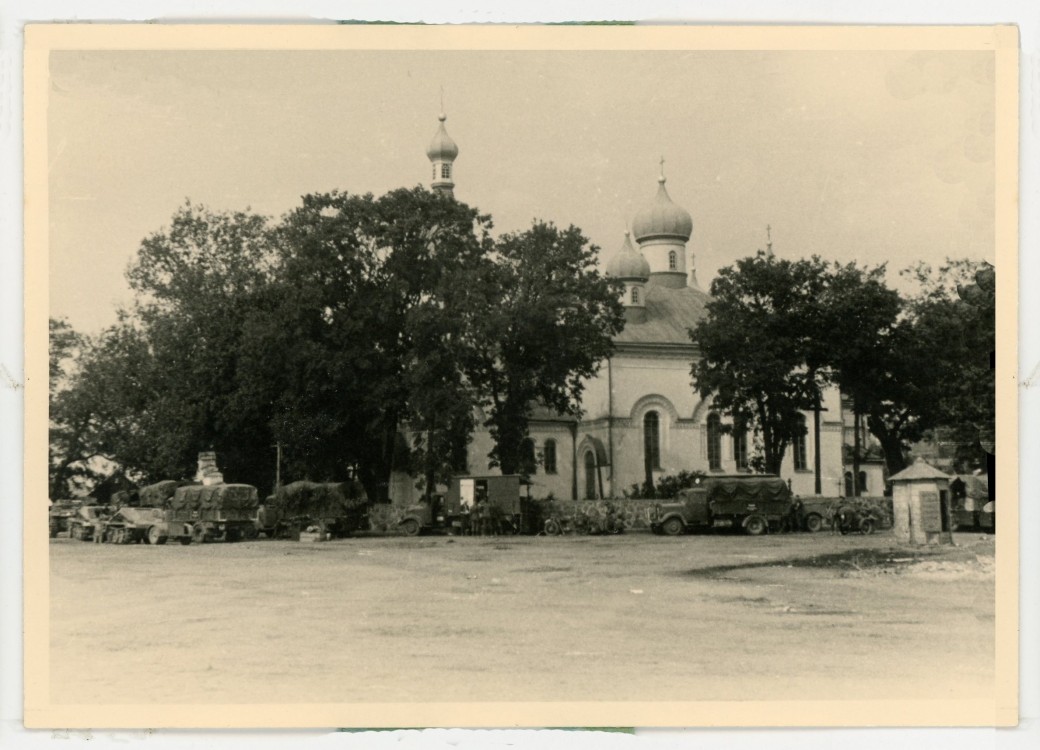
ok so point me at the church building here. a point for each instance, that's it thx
(641, 410)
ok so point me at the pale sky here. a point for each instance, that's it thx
(861, 156)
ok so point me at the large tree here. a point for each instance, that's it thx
(539, 321)
(364, 316)
(759, 359)
(863, 341)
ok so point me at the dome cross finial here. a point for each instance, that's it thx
(662, 179)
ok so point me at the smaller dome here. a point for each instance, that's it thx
(442, 147)
(662, 218)
(628, 263)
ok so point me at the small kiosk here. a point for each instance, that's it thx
(921, 505)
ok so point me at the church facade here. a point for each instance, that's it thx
(641, 411)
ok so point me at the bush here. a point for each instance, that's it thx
(667, 487)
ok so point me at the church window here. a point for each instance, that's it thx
(528, 461)
(635, 295)
(446, 171)
(801, 453)
(549, 459)
(673, 260)
(740, 455)
(714, 443)
(652, 439)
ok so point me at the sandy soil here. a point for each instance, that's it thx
(635, 617)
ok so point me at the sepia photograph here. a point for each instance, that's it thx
(427, 376)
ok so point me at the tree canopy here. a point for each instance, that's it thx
(351, 321)
(778, 331)
(759, 360)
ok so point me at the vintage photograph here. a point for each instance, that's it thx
(595, 367)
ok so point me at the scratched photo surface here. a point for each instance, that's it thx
(429, 376)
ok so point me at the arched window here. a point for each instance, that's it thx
(863, 482)
(849, 492)
(590, 476)
(528, 461)
(740, 445)
(673, 260)
(635, 295)
(714, 442)
(446, 171)
(652, 439)
(801, 453)
(549, 457)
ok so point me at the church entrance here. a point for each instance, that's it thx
(590, 475)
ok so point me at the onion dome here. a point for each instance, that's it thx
(442, 147)
(662, 218)
(628, 263)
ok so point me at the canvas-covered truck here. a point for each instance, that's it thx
(217, 512)
(756, 503)
(336, 508)
(472, 504)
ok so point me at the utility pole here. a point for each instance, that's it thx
(278, 464)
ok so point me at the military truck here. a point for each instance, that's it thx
(60, 515)
(755, 503)
(206, 513)
(472, 504)
(336, 508)
(133, 525)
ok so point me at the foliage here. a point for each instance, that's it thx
(666, 487)
(365, 313)
(331, 332)
(541, 319)
(760, 359)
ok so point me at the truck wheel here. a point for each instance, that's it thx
(756, 526)
(814, 522)
(866, 526)
(155, 535)
(673, 527)
(553, 528)
(185, 540)
(410, 527)
(198, 533)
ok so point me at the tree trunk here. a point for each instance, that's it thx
(892, 445)
(818, 483)
(856, 422)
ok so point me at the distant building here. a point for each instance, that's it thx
(641, 408)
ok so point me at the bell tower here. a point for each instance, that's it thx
(441, 153)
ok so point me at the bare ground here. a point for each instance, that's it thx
(635, 617)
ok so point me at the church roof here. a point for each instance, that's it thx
(628, 263)
(662, 218)
(442, 146)
(669, 315)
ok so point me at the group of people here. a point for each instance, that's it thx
(483, 519)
